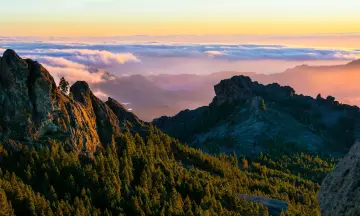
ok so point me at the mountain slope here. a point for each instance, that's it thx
(76, 155)
(235, 117)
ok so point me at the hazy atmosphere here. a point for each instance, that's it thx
(180, 108)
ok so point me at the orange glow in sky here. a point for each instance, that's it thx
(160, 17)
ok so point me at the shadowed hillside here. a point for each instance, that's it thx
(248, 117)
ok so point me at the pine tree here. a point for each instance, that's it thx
(5, 206)
(64, 85)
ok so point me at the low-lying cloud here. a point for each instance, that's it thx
(101, 58)
(61, 62)
(73, 64)
(72, 74)
(100, 94)
(79, 60)
(107, 54)
(215, 53)
(96, 58)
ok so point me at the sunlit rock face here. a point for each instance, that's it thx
(33, 110)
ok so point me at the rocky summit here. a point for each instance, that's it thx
(248, 117)
(34, 110)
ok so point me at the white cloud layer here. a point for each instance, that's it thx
(98, 58)
(61, 62)
(72, 74)
(214, 53)
(74, 64)
(82, 60)
(109, 55)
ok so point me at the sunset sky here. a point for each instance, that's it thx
(187, 36)
(169, 17)
(126, 37)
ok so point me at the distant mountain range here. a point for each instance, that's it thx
(155, 95)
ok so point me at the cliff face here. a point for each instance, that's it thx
(340, 191)
(34, 110)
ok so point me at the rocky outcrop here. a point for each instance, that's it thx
(245, 116)
(243, 88)
(340, 191)
(33, 110)
(127, 119)
(106, 122)
(238, 87)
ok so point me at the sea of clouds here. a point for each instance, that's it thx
(78, 60)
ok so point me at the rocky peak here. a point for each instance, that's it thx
(243, 88)
(81, 92)
(35, 111)
(238, 87)
(14, 71)
(80, 87)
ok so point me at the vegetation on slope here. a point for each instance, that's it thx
(155, 175)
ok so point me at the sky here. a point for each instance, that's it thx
(75, 38)
(170, 17)
(124, 37)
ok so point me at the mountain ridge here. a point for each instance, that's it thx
(47, 113)
(235, 116)
(171, 93)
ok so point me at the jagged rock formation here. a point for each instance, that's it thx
(340, 191)
(33, 109)
(235, 120)
(127, 119)
(243, 88)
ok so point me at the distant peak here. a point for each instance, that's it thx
(354, 63)
(303, 65)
